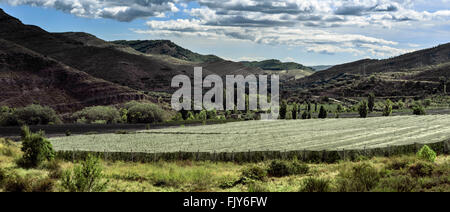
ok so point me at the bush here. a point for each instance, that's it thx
(371, 102)
(85, 178)
(30, 115)
(36, 149)
(387, 111)
(360, 178)
(312, 184)
(257, 187)
(254, 173)
(399, 183)
(278, 168)
(323, 114)
(363, 109)
(98, 114)
(16, 183)
(421, 169)
(144, 113)
(418, 110)
(398, 164)
(427, 154)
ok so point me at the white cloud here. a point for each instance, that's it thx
(311, 24)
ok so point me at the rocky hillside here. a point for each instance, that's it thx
(28, 77)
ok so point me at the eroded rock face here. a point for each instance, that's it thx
(27, 77)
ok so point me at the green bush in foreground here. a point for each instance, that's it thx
(312, 184)
(360, 178)
(427, 154)
(278, 168)
(254, 173)
(36, 149)
(85, 178)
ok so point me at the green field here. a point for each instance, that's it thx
(328, 134)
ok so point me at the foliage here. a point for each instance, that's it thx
(363, 109)
(387, 111)
(278, 168)
(418, 109)
(144, 113)
(96, 114)
(427, 154)
(30, 115)
(295, 110)
(400, 183)
(360, 178)
(85, 178)
(312, 184)
(371, 102)
(36, 148)
(254, 173)
(283, 110)
(421, 169)
(323, 114)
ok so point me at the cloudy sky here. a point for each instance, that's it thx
(311, 32)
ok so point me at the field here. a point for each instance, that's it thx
(294, 135)
(394, 174)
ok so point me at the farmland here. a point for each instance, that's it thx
(294, 135)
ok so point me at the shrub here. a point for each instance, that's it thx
(323, 114)
(278, 168)
(360, 178)
(98, 114)
(36, 148)
(418, 110)
(363, 109)
(31, 115)
(387, 111)
(421, 169)
(16, 183)
(398, 164)
(427, 154)
(399, 183)
(312, 184)
(257, 187)
(371, 102)
(85, 178)
(254, 173)
(144, 113)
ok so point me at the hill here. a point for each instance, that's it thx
(167, 47)
(276, 65)
(28, 77)
(416, 74)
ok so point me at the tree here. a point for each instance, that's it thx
(85, 178)
(36, 148)
(36, 115)
(295, 111)
(363, 109)
(323, 114)
(371, 102)
(283, 110)
(387, 111)
(418, 109)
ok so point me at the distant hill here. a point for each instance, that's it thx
(167, 47)
(276, 65)
(321, 68)
(417, 73)
(28, 77)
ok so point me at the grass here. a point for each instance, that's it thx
(187, 176)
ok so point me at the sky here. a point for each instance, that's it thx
(310, 32)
